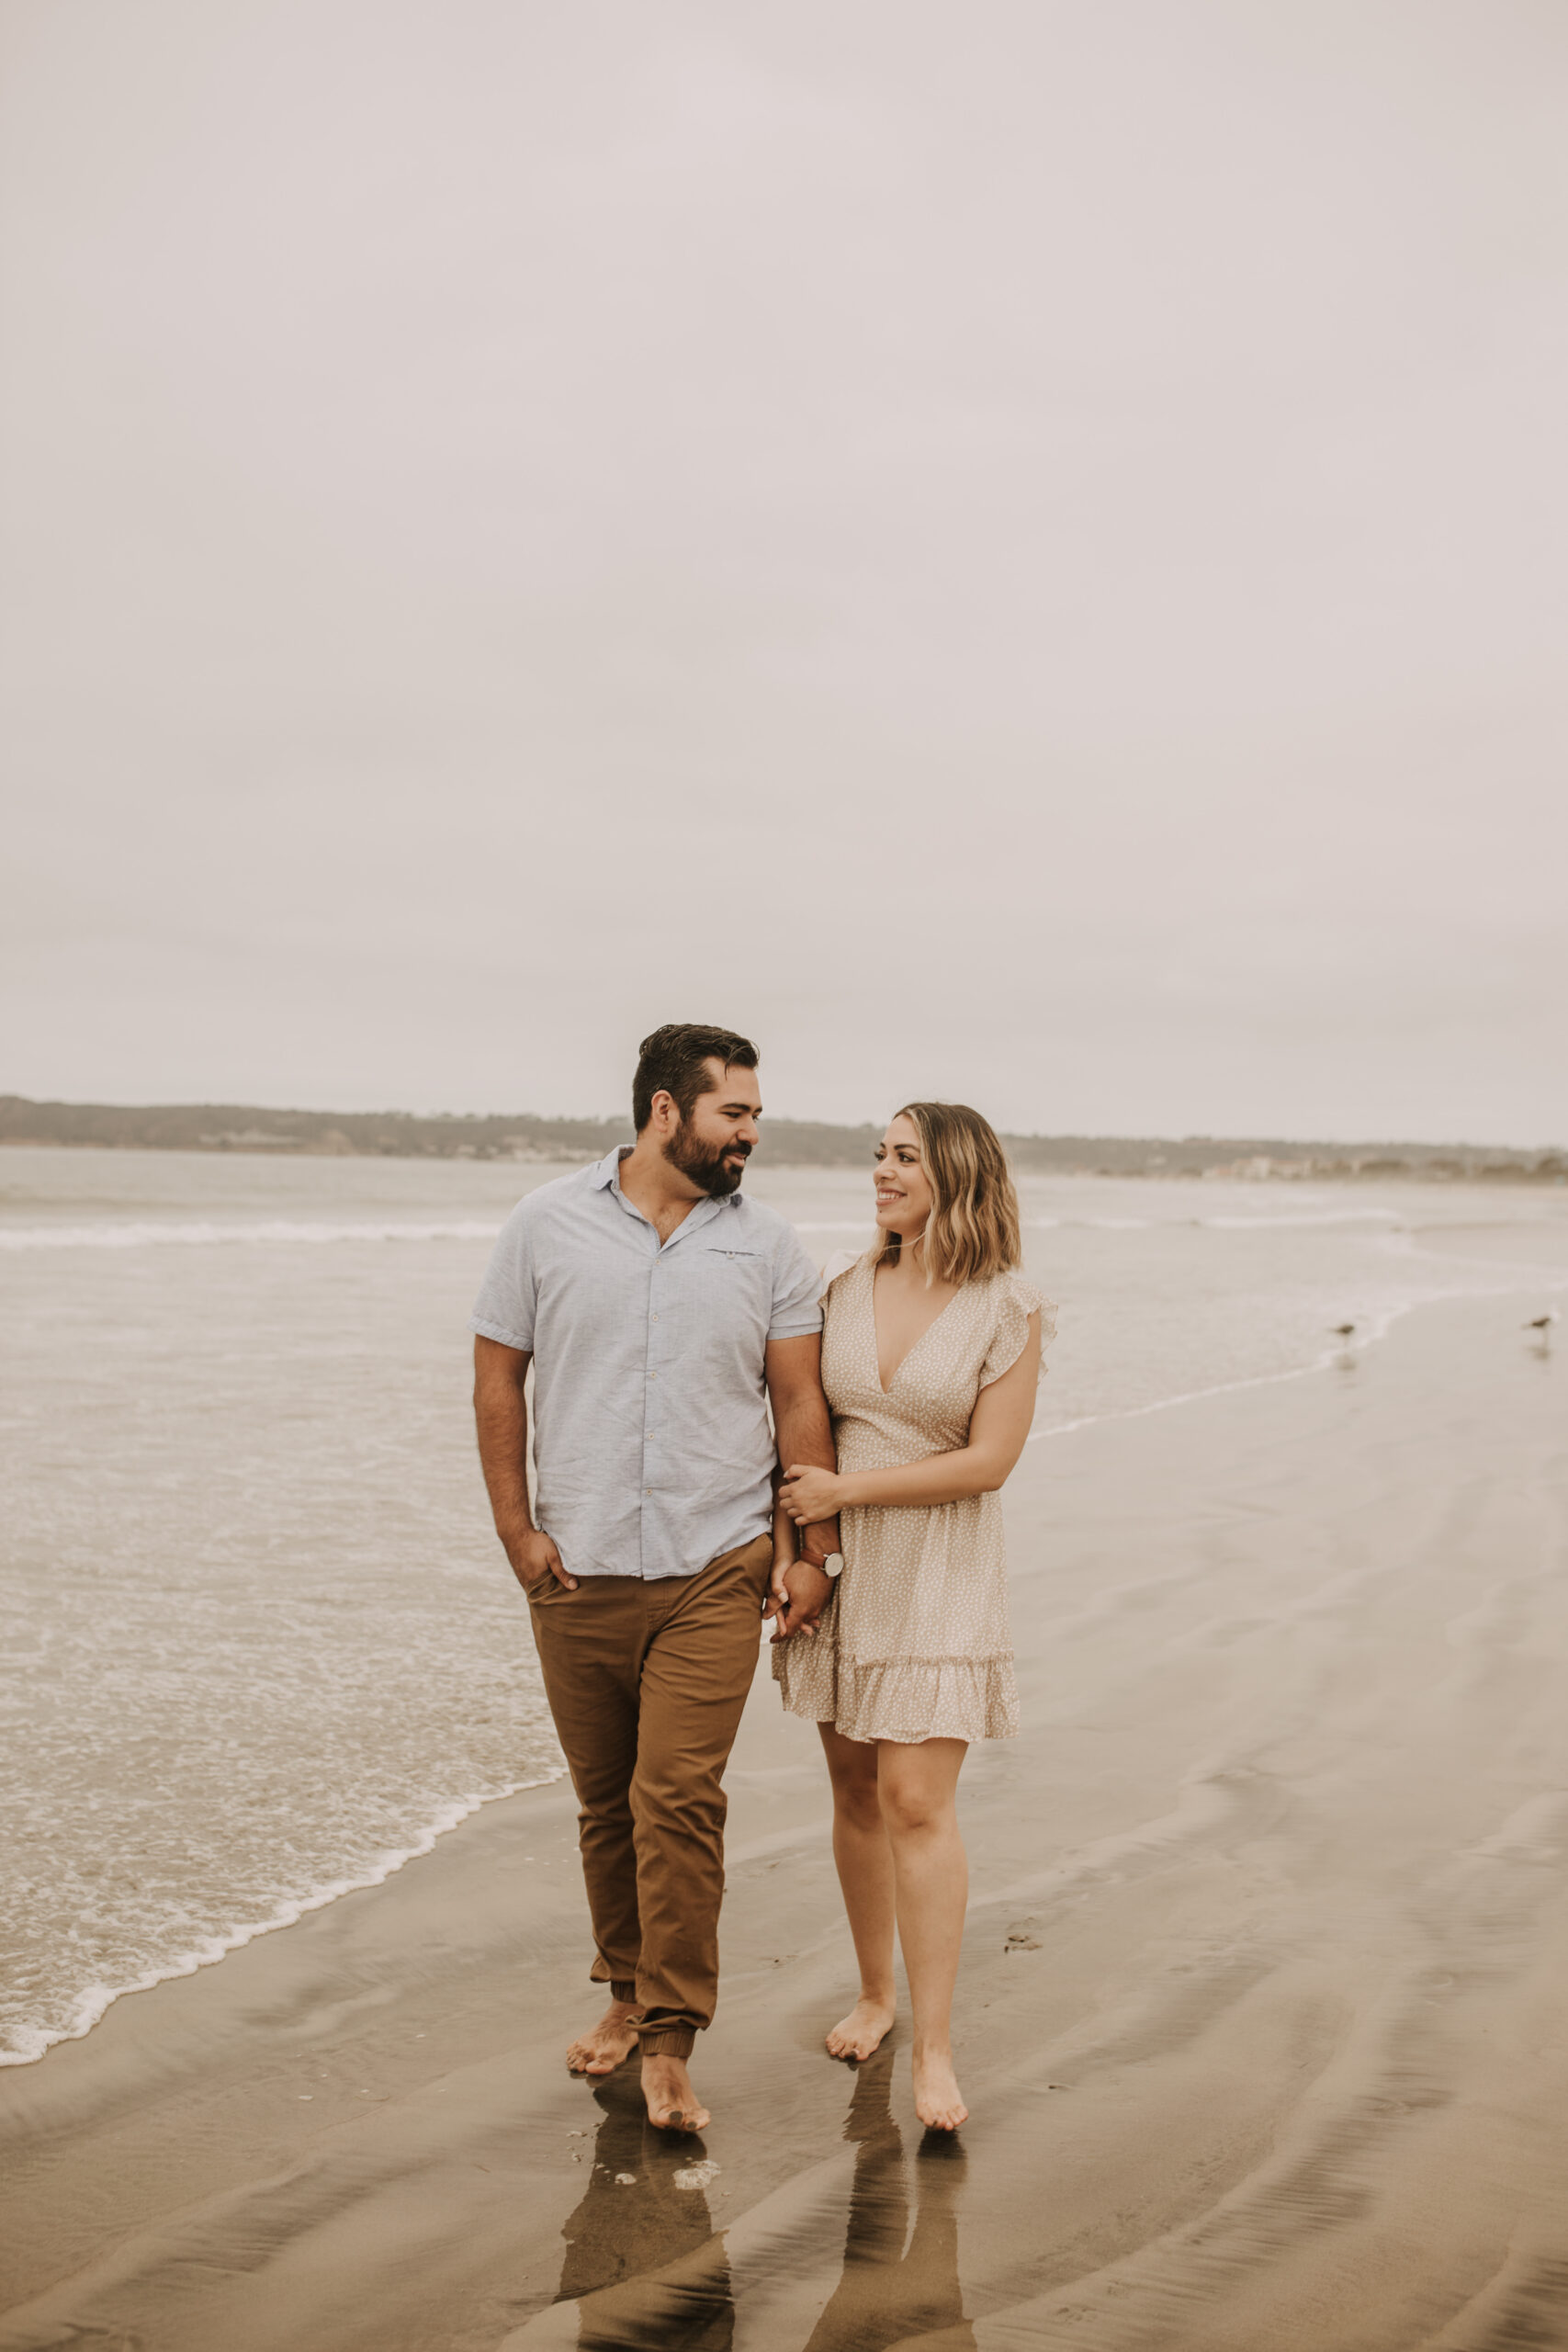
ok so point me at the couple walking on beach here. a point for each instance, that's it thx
(662, 1312)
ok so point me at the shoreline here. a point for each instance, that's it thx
(1268, 1912)
(291, 1909)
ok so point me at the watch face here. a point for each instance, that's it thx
(833, 1566)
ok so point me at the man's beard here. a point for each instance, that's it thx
(704, 1163)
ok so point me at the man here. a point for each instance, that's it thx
(661, 1312)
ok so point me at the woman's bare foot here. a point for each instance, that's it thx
(937, 2100)
(673, 2104)
(863, 2031)
(604, 2047)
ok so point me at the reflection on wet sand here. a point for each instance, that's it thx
(645, 2273)
(644, 2209)
(891, 2289)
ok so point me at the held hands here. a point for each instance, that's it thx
(535, 1561)
(801, 1590)
(798, 1594)
(810, 1496)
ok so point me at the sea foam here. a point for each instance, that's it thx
(124, 1233)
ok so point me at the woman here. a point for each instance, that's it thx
(930, 1358)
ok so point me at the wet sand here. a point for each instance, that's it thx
(1261, 2019)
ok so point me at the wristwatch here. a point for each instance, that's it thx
(832, 1568)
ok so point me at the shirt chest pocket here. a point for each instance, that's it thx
(727, 1290)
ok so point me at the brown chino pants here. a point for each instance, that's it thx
(647, 1683)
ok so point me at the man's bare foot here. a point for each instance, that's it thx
(673, 2104)
(604, 2047)
(937, 2100)
(863, 2031)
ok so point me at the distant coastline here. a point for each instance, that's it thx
(796, 1143)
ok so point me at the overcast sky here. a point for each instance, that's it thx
(1013, 550)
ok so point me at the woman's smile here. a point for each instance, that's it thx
(900, 1186)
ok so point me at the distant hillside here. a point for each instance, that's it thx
(799, 1143)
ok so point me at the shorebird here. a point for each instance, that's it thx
(1542, 1322)
(1343, 1330)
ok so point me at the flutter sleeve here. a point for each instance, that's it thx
(1016, 1302)
(839, 1263)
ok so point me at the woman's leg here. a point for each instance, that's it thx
(917, 1786)
(865, 1873)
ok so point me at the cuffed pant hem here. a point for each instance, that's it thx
(668, 2042)
(623, 1989)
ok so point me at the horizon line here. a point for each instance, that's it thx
(778, 1119)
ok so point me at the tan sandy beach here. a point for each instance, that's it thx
(1263, 2015)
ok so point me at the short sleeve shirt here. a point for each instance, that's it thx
(653, 1452)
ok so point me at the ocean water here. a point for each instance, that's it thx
(260, 1643)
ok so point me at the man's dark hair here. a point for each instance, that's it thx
(670, 1062)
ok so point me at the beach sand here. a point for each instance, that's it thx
(1262, 2016)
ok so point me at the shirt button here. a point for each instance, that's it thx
(648, 1490)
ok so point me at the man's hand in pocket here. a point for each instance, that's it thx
(535, 1561)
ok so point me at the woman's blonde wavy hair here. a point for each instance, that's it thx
(973, 1230)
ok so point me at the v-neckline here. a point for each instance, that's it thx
(886, 1387)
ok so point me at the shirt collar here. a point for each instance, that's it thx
(607, 1179)
(606, 1174)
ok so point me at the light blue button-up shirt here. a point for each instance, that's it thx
(652, 1449)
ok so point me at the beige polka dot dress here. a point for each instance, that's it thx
(915, 1643)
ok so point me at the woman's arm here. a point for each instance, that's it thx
(997, 1429)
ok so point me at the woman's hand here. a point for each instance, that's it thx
(811, 1495)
